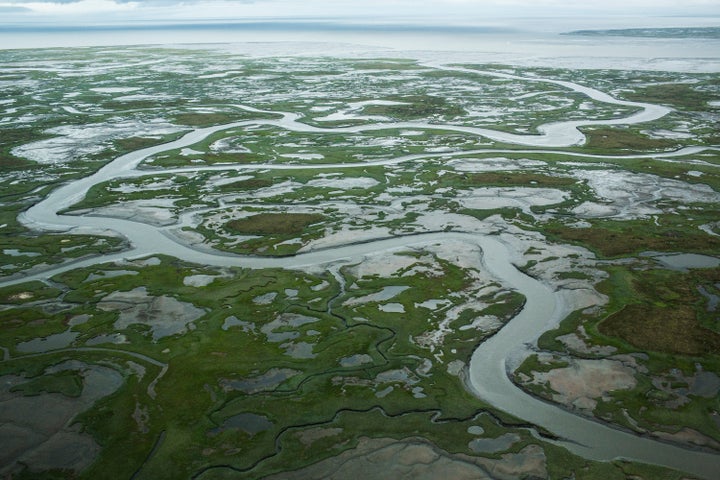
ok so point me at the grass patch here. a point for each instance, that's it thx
(27, 292)
(249, 184)
(416, 107)
(623, 139)
(8, 162)
(137, 143)
(573, 275)
(202, 119)
(274, 223)
(678, 95)
(68, 383)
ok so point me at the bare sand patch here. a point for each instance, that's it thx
(345, 236)
(383, 295)
(199, 280)
(312, 435)
(165, 315)
(689, 436)
(158, 212)
(583, 382)
(418, 459)
(385, 265)
(21, 296)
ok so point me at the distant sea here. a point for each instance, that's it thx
(527, 42)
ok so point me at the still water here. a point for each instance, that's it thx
(531, 42)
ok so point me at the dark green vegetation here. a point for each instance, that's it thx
(67, 383)
(34, 249)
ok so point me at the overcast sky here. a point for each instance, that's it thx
(12, 11)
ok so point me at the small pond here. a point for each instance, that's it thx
(45, 344)
(683, 261)
(249, 423)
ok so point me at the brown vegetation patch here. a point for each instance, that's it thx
(202, 119)
(135, 143)
(669, 330)
(519, 179)
(419, 459)
(612, 138)
(680, 95)
(249, 184)
(11, 161)
(274, 223)
(628, 239)
(312, 435)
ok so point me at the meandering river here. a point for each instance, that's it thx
(488, 367)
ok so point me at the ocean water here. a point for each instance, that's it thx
(529, 42)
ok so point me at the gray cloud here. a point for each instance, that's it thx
(33, 1)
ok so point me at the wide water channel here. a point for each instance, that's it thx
(489, 364)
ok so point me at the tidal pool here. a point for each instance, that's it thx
(355, 360)
(249, 423)
(383, 295)
(113, 338)
(233, 321)
(684, 261)
(267, 381)
(493, 445)
(45, 344)
(392, 308)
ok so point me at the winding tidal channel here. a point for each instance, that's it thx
(489, 368)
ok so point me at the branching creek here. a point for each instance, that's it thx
(436, 418)
(495, 358)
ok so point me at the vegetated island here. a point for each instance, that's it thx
(682, 32)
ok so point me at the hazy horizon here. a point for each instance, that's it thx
(515, 31)
(474, 12)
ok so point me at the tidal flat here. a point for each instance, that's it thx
(222, 266)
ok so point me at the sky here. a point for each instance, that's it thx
(438, 11)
